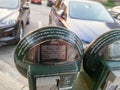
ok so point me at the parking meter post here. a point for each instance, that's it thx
(32, 83)
(52, 52)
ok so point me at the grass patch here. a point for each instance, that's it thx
(109, 5)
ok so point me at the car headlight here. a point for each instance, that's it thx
(10, 20)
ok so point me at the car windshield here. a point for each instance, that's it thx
(89, 11)
(12, 4)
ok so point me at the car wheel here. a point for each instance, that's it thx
(19, 33)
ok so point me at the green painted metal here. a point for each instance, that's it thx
(34, 70)
(98, 67)
(40, 35)
(103, 40)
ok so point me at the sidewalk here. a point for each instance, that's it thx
(11, 79)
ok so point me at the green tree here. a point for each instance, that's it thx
(111, 1)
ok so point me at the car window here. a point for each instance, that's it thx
(89, 11)
(11, 4)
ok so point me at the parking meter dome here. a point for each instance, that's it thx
(49, 46)
(101, 62)
(105, 48)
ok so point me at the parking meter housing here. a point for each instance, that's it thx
(101, 62)
(49, 51)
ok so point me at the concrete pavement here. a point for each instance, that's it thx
(11, 79)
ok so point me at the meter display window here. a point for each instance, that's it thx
(52, 51)
(111, 51)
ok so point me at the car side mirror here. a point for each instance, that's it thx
(25, 7)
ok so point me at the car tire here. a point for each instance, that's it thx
(20, 33)
(28, 21)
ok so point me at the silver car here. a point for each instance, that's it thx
(87, 19)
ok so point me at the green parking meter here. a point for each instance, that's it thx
(101, 62)
(49, 52)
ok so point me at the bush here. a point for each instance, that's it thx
(110, 3)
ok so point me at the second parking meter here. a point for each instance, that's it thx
(102, 62)
(49, 52)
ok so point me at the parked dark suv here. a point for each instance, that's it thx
(88, 19)
(50, 3)
(14, 15)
